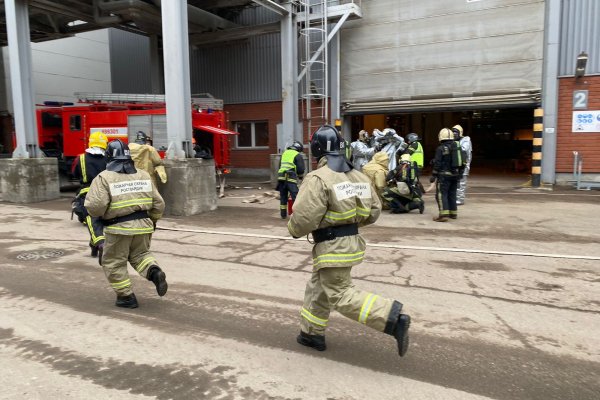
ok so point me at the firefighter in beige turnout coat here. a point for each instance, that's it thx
(334, 200)
(129, 205)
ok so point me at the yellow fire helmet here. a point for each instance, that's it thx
(98, 139)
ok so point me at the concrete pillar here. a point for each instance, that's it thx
(29, 180)
(334, 59)
(177, 79)
(289, 83)
(191, 187)
(19, 50)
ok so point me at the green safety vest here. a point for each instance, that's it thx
(287, 168)
(417, 155)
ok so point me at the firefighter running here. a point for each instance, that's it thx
(291, 169)
(85, 168)
(146, 157)
(129, 205)
(334, 200)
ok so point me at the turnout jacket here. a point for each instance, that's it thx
(147, 158)
(446, 160)
(114, 194)
(86, 167)
(328, 198)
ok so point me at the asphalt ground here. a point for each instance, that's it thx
(505, 304)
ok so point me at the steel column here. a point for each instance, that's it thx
(177, 78)
(550, 89)
(19, 50)
(289, 85)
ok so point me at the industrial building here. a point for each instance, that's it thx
(284, 67)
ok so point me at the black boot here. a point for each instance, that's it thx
(127, 301)
(100, 253)
(397, 325)
(283, 214)
(317, 342)
(94, 252)
(158, 277)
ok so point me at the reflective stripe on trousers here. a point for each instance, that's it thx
(332, 289)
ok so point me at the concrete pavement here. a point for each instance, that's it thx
(485, 325)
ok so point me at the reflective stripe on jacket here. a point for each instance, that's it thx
(287, 167)
(328, 198)
(115, 194)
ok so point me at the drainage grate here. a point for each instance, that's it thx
(40, 254)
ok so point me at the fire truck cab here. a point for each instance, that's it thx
(64, 128)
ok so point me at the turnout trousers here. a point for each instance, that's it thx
(286, 189)
(332, 289)
(118, 250)
(445, 195)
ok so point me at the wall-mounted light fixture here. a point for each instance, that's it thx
(582, 59)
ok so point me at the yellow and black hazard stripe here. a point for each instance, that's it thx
(536, 155)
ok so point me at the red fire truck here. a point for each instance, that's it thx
(64, 128)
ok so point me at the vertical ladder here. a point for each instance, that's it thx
(315, 85)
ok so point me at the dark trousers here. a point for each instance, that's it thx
(399, 203)
(445, 195)
(93, 224)
(286, 189)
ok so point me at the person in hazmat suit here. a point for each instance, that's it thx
(403, 193)
(376, 170)
(85, 168)
(361, 151)
(333, 202)
(291, 169)
(465, 144)
(129, 205)
(146, 157)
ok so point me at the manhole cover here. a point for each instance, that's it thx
(40, 254)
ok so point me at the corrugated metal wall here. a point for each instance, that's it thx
(405, 48)
(580, 31)
(241, 72)
(129, 62)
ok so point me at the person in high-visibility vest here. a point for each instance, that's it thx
(415, 150)
(291, 169)
(85, 168)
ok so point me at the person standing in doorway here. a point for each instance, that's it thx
(446, 173)
(334, 201)
(465, 144)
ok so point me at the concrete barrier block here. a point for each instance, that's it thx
(29, 180)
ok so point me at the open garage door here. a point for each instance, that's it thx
(502, 138)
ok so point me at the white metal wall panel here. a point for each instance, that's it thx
(407, 48)
(580, 31)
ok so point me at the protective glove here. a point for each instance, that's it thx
(432, 178)
(162, 174)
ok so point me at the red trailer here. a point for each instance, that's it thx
(64, 128)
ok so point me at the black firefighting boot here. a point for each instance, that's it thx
(283, 214)
(440, 218)
(397, 325)
(127, 301)
(317, 342)
(100, 253)
(94, 252)
(158, 277)
(421, 207)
